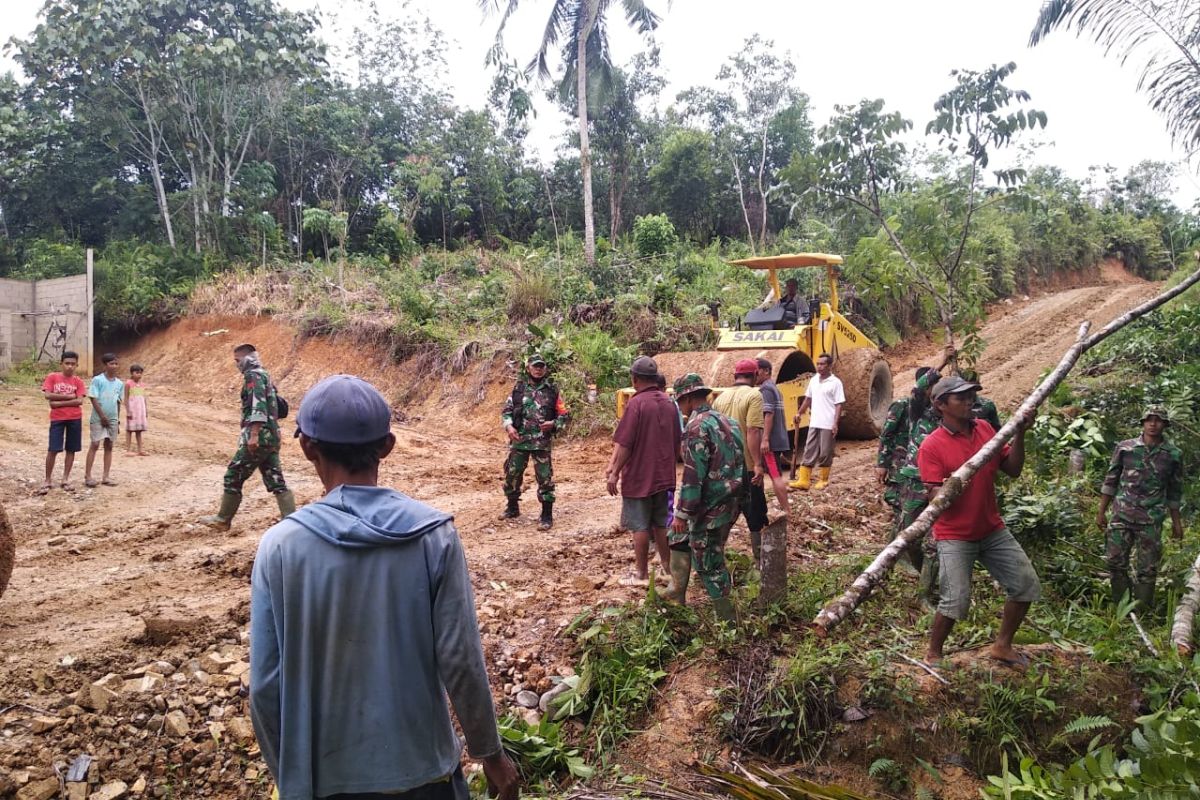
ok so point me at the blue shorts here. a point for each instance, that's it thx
(68, 432)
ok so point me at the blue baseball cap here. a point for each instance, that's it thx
(343, 409)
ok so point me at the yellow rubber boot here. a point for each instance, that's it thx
(822, 478)
(803, 479)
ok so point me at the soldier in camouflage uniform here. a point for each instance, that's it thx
(258, 443)
(714, 466)
(893, 452)
(984, 408)
(1145, 477)
(532, 414)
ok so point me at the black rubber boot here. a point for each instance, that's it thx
(725, 612)
(1144, 592)
(547, 518)
(513, 509)
(1120, 587)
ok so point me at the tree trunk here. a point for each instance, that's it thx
(160, 193)
(737, 173)
(837, 611)
(773, 588)
(1185, 613)
(762, 191)
(585, 150)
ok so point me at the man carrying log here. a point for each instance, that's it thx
(893, 452)
(970, 530)
(713, 470)
(1145, 477)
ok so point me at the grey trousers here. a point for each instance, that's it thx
(818, 448)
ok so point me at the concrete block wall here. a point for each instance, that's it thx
(16, 337)
(71, 293)
(22, 331)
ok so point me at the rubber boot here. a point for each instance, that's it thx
(1120, 587)
(547, 518)
(1144, 592)
(803, 479)
(822, 478)
(725, 612)
(287, 503)
(756, 548)
(681, 574)
(513, 509)
(224, 516)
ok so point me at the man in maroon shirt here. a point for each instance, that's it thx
(971, 529)
(644, 448)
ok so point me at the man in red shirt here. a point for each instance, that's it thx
(971, 529)
(65, 391)
(645, 446)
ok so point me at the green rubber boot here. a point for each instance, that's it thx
(222, 519)
(681, 574)
(756, 548)
(287, 503)
(726, 613)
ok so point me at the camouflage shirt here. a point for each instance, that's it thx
(920, 427)
(536, 405)
(893, 437)
(1145, 480)
(713, 466)
(259, 404)
(986, 410)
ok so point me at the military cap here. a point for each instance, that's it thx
(690, 384)
(534, 359)
(1157, 411)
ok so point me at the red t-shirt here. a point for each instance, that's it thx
(650, 429)
(57, 383)
(974, 515)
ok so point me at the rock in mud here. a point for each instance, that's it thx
(41, 724)
(162, 630)
(544, 702)
(176, 723)
(39, 790)
(110, 791)
(528, 699)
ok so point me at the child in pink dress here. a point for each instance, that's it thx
(135, 407)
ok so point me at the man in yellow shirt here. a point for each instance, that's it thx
(743, 404)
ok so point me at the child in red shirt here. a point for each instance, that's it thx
(64, 391)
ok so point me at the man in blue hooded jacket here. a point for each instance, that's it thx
(362, 622)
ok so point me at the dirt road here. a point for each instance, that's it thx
(91, 564)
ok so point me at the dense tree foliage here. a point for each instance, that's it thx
(181, 141)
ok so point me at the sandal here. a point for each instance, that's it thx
(634, 580)
(108, 482)
(1020, 662)
(43, 489)
(91, 483)
(66, 487)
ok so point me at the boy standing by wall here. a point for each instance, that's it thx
(64, 390)
(106, 393)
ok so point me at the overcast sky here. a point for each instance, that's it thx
(844, 51)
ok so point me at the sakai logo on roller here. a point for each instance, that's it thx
(758, 337)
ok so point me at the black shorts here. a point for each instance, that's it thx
(68, 432)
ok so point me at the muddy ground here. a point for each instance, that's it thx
(94, 564)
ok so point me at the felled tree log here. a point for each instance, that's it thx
(836, 611)
(1185, 613)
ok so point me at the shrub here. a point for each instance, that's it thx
(654, 235)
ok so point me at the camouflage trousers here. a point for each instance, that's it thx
(891, 496)
(514, 473)
(243, 465)
(1120, 540)
(708, 556)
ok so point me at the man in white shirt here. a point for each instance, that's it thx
(825, 397)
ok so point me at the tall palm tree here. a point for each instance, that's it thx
(1162, 35)
(585, 48)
